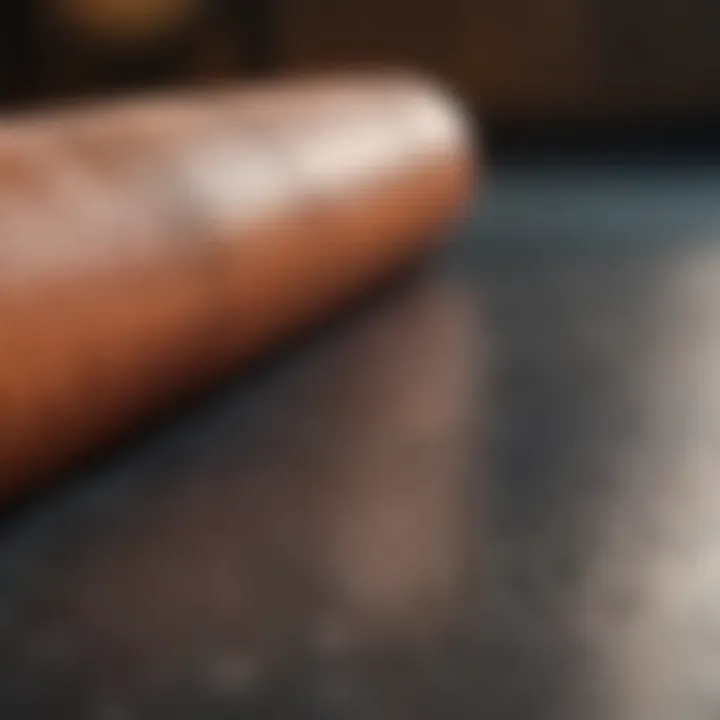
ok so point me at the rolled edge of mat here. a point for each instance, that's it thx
(148, 249)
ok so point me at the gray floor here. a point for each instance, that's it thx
(490, 493)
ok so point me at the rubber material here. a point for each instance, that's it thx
(150, 246)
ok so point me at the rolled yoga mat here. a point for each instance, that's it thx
(148, 247)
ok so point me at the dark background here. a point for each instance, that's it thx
(543, 73)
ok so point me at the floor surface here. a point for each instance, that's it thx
(492, 492)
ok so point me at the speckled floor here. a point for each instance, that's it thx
(490, 493)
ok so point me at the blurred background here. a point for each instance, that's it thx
(543, 72)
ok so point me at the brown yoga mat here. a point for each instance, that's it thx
(150, 246)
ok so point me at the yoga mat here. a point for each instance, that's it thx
(149, 246)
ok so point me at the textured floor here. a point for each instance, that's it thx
(491, 493)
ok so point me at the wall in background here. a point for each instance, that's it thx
(521, 60)
(528, 58)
